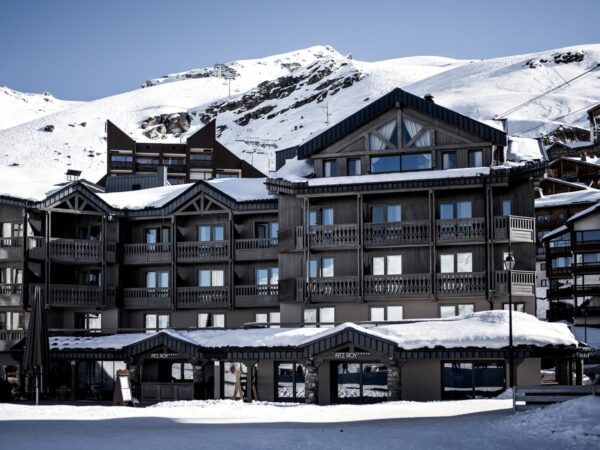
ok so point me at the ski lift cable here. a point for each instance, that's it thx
(546, 122)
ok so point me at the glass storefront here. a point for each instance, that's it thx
(360, 382)
(472, 379)
(290, 382)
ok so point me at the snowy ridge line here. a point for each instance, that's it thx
(486, 329)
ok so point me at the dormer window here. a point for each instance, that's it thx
(414, 134)
(385, 137)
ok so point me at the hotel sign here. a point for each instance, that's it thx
(351, 355)
(164, 355)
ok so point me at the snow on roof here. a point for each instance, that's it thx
(242, 189)
(144, 198)
(572, 144)
(294, 169)
(557, 231)
(592, 160)
(524, 149)
(588, 195)
(486, 329)
(586, 211)
(20, 185)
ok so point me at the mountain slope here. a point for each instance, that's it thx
(285, 99)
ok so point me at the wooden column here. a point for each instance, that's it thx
(173, 263)
(47, 260)
(361, 265)
(432, 245)
(311, 383)
(578, 371)
(394, 382)
(73, 379)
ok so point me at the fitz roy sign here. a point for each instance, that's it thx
(351, 355)
(164, 355)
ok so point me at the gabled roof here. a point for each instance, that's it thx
(594, 209)
(393, 99)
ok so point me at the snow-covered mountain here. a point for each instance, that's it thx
(285, 99)
(20, 107)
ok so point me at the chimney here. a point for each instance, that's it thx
(429, 98)
(73, 175)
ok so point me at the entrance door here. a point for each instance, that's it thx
(359, 382)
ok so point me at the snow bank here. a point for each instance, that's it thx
(144, 198)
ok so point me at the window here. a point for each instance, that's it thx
(456, 210)
(544, 282)
(386, 313)
(88, 321)
(268, 318)
(227, 174)
(10, 320)
(289, 379)
(329, 168)
(410, 129)
(210, 278)
(267, 276)
(447, 311)
(561, 262)
(90, 278)
(323, 317)
(208, 233)
(561, 241)
(479, 379)
(464, 262)
(396, 163)
(321, 268)
(320, 216)
(182, 371)
(449, 160)
(475, 158)
(200, 175)
(386, 213)
(384, 137)
(353, 167)
(157, 280)
(519, 307)
(361, 382)
(11, 275)
(211, 320)
(121, 159)
(387, 265)
(506, 207)
(158, 235)
(266, 230)
(587, 236)
(447, 263)
(588, 259)
(156, 322)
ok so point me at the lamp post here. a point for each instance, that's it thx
(509, 265)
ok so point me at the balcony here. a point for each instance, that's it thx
(256, 249)
(36, 247)
(519, 229)
(586, 289)
(333, 236)
(199, 251)
(585, 245)
(81, 250)
(8, 338)
(11, 248)
(467, 283)
(460, 230)
(565, 292)
(76, 296)
(523, 283)
(589, 267)
(147, 298)
(254, 295)
(397, 233)
(384, 287)
(559, 271)
(332, 288)
(11, 294)
(121, 165)
(560, 250)
(147, 253)
(203, 297)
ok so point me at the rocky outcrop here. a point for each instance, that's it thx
(566, 134)
(219, 70)
(166, 124)
(557, 58)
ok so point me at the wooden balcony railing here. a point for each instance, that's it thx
(147, 298)
(589, 267)
(199, 297)
(409, 285)
(461, 283)
(247, 249)
(202, 251)
(392, 233)
(11, 242)
(73, 295)
(518, 228)
(147, 253)
(11, 289)
(81, 250)
(333, 235)
(255, 295)
(460, 230)
(332, 288)
(8, 338)
(523, 282)
(11, 248)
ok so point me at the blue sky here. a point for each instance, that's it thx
(86, 49)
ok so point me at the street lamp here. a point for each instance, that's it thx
(509, 265)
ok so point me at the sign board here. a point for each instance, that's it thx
(122, 391)
(164, 355)
(351, 355)
(125, 388)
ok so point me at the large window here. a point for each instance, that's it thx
(447, 311)
(587, 236)
(158, 235)
(361, 382)
(320, 216)
(273, 319)
(321, 267)
(561, 262)
(462, 262)
(456, 210)
(156, 322)
(211, 233)
(267, 276)
(289, 379)
(157, 280)
(386, 313)
(588, 259)
(387, 265)
(182, 372)
(323, 317)
(472, 379)
(384, 137)
(386, 213)
(211, 320)
(410, 130)
(398, 163)
(266, 230)
(560, 241)
(11, 320)
(211, 278)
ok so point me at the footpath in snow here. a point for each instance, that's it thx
(227, 424)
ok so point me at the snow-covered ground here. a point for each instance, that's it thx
(225, 424)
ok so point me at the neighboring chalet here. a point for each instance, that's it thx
(401, 213)
(573, 268)
(200, 157)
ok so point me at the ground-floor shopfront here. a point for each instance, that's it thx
(347, 364)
